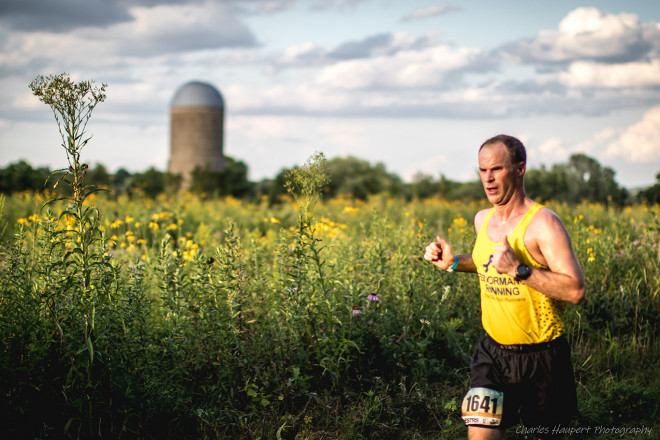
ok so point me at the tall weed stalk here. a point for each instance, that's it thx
(68, 291)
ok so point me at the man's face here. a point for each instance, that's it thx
(499, 176)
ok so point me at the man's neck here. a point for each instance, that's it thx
(513, 208)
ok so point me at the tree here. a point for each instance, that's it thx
(273, 188)
(20, 176)
(152, 182)
(581, 179)
(121, 180)
(359, 179)
(99, 176)
(233, 181)
(652, 193)
(545, 185)
(423, 186)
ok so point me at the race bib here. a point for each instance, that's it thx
(482, 406)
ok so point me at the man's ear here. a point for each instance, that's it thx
(522, 167)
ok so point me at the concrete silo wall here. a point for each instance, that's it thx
(196, 136)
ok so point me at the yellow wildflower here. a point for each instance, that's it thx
(592, 255)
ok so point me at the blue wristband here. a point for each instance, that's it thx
(453, 266)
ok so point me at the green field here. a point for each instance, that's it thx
(186, 317)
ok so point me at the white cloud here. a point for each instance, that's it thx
(44, 51)
(26, 100)
(174, 28)
(429, 166)
(285, 98)
(153, 31)
(386, 72)
(349, 139)
(594, 146)
(352, 74)
(309, 54)
(306, 53)
(406, 69)
(271, 7)
(596, 24)
(552, 150)
(587, 33)
(591, 74)
(429, 11)
(640, 142)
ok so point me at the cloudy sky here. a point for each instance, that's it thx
(413, 84)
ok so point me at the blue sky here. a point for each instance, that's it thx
(416, 85)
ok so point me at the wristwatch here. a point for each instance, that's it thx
(523, 272)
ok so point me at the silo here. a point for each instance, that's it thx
(196, 130)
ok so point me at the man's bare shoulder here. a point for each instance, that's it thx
(479, 218)
(546, 223)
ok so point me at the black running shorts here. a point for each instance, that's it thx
(532, 384)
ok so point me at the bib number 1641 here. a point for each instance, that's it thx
(482, 406)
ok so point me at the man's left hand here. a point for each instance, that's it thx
(504, 258)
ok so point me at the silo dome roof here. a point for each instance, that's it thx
(197, 94)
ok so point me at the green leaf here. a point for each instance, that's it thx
(90, 349)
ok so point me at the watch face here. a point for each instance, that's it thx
(523, 272)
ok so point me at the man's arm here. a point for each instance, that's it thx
(550, 244)
(465, 264)
(441, 255)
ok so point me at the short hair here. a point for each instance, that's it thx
(513, 145)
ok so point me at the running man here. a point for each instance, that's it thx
(527, 270)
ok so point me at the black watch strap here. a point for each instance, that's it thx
(523, 272)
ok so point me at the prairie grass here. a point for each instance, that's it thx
(220, 318)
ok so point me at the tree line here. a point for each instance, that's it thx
(580, 179)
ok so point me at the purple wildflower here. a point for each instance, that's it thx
(357, 312)
(373, 297)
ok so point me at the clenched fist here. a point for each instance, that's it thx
(504, 258)
(440, 254)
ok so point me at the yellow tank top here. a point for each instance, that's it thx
(511, 312)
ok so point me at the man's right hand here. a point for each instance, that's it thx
(440, 254)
